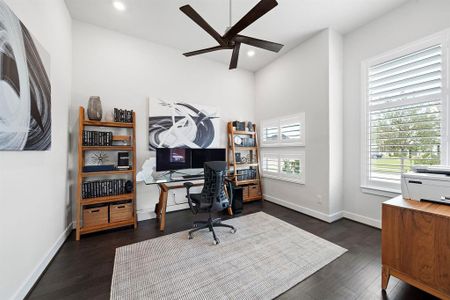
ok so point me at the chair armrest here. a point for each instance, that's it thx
(188, 185)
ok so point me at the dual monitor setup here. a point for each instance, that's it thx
(174, 159)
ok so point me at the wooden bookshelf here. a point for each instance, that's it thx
(131, 174)
(234, 166)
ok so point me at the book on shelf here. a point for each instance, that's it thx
(97, 138)
(103, 188)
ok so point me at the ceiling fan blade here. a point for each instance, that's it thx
(206, 50)
(235, 56)
(191, 13)
(271, 46)
(254, 14)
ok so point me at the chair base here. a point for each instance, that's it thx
(210, 224)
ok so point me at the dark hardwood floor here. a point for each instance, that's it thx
(83, 270)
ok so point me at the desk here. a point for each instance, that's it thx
(166, 183)
(416, 245)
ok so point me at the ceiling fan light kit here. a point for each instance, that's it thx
(232, 40)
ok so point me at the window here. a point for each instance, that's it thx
(405, 108)
(282, 166)
(285, 131)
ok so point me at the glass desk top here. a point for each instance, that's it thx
(172, 177)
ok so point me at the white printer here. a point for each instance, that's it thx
(427, 183)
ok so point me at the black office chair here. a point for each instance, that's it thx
(212, 198)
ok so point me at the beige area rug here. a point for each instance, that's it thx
(263, 259)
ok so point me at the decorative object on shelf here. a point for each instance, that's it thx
(123, 115)
(238, 140)
(123, 161)
(238, 158)
(95, 111)
(231, 39)
(121, 140)
(249, 126)
(25, 104)
(99, 158)
(129, 186)
(243, 159)
(181, 124)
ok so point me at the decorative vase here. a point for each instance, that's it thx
(94, 110)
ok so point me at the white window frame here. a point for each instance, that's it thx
(277, 122)
(388, 188)
(300, 155)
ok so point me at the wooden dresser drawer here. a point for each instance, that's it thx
(121, 212)
(95, 216)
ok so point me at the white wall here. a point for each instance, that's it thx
(408, 23)
(336, 123)
(35, 208)
(124, 71)
(300, 81)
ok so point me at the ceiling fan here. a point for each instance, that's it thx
(232, 39)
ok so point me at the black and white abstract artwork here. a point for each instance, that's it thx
(25, 91)
(175, 124)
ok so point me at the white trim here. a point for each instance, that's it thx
(362, 219)
(33, 277)
(442, 38)
(307, 211)
(385, 192)
(323, 216)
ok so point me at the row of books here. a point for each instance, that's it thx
(103, 188)
(246, 174)
(123, 115)
(97, 138)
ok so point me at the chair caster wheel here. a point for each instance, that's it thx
(190, 237)
(216, 242)
(195, 225)
(233, 231)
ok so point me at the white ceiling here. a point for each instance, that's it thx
(290, 23)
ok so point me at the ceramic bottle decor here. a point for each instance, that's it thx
(94, 110)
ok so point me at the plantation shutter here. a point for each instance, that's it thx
(404, 114)
(290, 129)
(270, 163)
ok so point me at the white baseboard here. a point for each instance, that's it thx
(42, 265)
(305, 210)
(323, 216)
(362, 219)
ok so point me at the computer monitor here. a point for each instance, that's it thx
(200, 156)
(169, 159)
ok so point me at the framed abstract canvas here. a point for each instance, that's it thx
(175, 124)
(25, 91)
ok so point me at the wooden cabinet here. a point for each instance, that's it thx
(416, 245)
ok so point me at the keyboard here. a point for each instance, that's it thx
(193, 176)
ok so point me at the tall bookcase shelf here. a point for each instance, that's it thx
(252, 187)
(128, 217)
